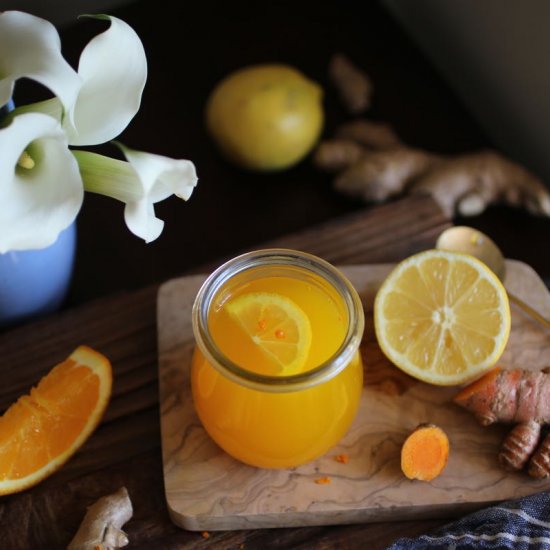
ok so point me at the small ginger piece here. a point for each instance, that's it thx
(369, 134)
(352, 141)
(101, 526)
(334, 155)
(425, 453)
(353, 85)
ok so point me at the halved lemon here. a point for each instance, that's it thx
(42, 430)
(276, 324)
(442, 317)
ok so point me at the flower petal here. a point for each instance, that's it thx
(141, 182)
(37, 202)
(113, 68)
(162, 176)
(141, 220)
(30, 47)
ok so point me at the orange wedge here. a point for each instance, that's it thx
(42, 430)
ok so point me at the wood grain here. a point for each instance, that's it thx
(207, 489)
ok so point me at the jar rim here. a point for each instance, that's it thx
(278, 257)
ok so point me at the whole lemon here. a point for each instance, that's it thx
(265, 117)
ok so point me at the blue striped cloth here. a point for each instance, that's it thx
(519, 524)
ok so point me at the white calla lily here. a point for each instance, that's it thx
(42, 181)
(41, 188)
(140, 183)
(30, 47)
(113, 71)
(113, 68)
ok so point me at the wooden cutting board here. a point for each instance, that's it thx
(208, 490)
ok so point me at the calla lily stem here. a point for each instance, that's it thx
(107, 176)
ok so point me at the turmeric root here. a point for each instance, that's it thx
(425, 453)
(520, 397)
(519, 445)
(101, 526)
(353, 85)
(539, 465)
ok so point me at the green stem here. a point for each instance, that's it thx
(107, 176)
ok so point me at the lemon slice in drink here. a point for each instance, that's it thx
(442, 317)
(277, 325)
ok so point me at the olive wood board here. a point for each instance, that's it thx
(208, 490)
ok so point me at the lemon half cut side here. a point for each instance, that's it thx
(442, 317)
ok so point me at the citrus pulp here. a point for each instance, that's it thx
(442, 317)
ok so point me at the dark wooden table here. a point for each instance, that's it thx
(111, 305)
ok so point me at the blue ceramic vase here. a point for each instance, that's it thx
(34, 283)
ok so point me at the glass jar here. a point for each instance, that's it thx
(249, 402)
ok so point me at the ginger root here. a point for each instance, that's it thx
(351, 144)
(353, 85)
(520, 397)
(373, 164)
(369, 134)
(336, 155)
(464, 184)
(101, 527)
(425, 453)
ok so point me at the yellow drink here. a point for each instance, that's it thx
(255, 409)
